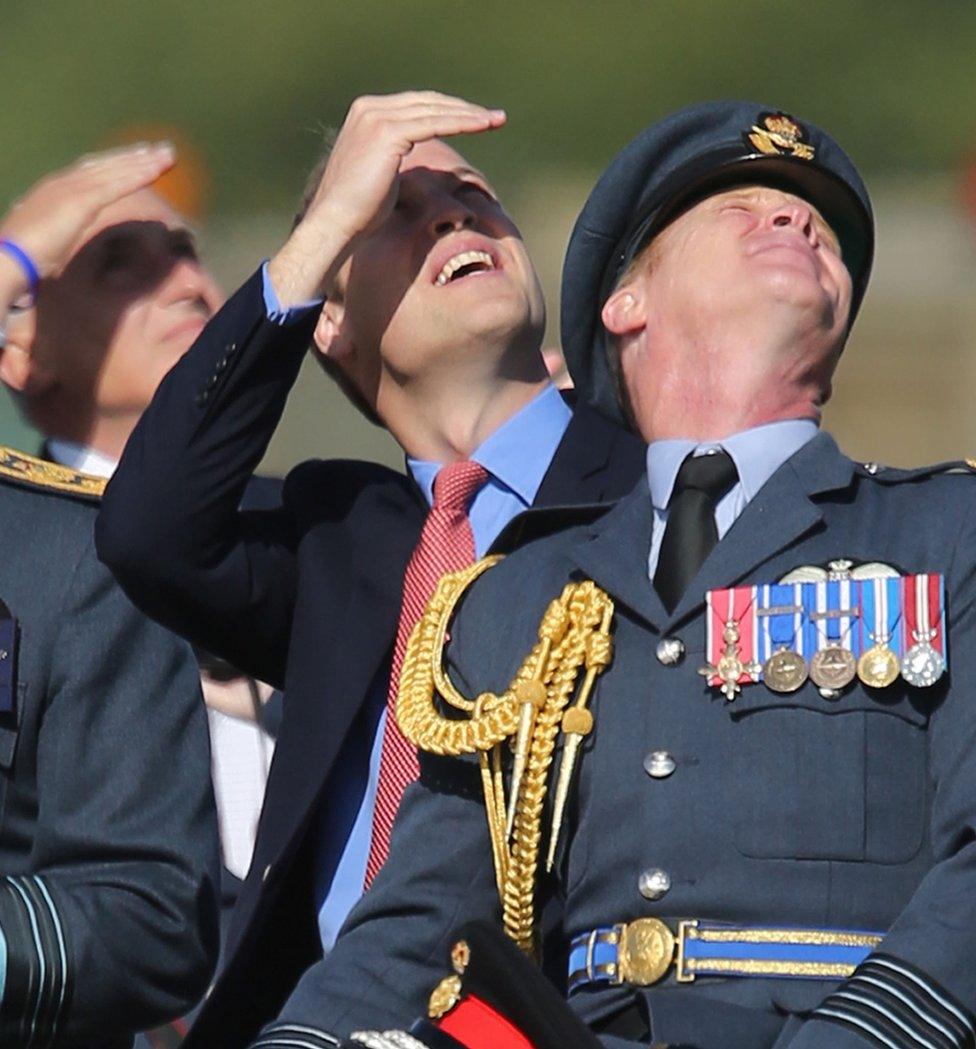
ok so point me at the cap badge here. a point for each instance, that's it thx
(780, 135)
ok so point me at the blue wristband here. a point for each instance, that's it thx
(17, 253)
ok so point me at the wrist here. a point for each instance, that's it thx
(13, 283)
(13, 255)
(309, 260)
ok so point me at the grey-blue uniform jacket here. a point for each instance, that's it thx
(857, 812)
(108, 845)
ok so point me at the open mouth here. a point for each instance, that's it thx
(464, 264)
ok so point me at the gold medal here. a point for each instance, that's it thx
(785, 671)
(833, 668)
(878, 667)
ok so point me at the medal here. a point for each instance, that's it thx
(834, 666)
(879, 666)
(784, 670)
(923, 664)
(727, 669)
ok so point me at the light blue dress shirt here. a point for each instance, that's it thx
(516, 456)
(757, 453)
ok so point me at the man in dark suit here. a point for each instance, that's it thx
(749, 792)
(433, 318)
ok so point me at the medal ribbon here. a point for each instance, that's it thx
(880, 601)
(737, 604)
(924, 606)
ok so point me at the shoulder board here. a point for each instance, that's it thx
(21, 468)
(541, 522)
(897, 475)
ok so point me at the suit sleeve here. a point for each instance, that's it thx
(919, 987)
(170, 528)
(114, 929)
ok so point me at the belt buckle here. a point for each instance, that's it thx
(645, 951)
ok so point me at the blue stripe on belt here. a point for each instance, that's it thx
(645, 951)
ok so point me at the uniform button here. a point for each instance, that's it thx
(211, 382)
(230, 348)
(202, 397)
(872, 468)
(659, 764)
(221, 364)
(653, 883)
(670, 651)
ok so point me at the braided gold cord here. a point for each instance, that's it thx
(573, 634)
(585, 603)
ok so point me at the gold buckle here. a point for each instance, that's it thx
(645, 951)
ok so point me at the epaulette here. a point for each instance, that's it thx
(21, 468)
(543, 521)
(902, 475)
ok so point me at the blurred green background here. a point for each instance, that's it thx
(249, 87)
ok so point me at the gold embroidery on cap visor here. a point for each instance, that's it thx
(780, 135)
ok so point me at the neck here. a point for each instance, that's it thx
(704, 393)
(444, 423)
(107, 436)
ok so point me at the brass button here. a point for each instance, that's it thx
(653, 883)
(659, 764)
(670, 651)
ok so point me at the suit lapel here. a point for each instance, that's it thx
(360, 626)
(595, 461)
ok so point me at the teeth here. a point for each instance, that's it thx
(466, 258)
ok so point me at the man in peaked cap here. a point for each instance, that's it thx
(760, 808)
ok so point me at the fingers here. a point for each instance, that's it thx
(416, 116)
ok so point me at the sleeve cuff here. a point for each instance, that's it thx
(289, 1035)
(278, 314)
(36, 985)
(888, 1002)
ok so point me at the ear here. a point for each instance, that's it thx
(623, 313)
(331, 338)
(20, 368)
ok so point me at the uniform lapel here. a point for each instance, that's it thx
(781, 513)
(614, 555)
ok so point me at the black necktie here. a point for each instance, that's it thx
(691, 532)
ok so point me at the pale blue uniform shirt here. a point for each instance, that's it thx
(516, 456)
(757, 453)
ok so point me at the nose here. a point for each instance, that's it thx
(448, 214)
(795, 213)
(188, 281)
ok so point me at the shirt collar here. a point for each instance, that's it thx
(81, 458)
(538, 426)
(757, 453)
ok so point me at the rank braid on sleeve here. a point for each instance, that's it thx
(548, 695)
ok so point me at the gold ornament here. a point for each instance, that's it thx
(574, 632)
(444, 997)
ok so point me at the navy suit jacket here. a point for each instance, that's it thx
(306, 596)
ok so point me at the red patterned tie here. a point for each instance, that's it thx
(446, 544)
